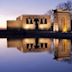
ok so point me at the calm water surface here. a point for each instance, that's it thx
(35, 55)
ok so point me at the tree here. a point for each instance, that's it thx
(50, 13)
(65, 6)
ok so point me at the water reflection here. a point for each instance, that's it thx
(30, 44)
(22, 55)
(61, 48)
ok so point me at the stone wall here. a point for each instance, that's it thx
(62, 21)
(28, 22)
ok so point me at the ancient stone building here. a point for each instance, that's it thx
(30, 22)
(62, 21)
(13, 24)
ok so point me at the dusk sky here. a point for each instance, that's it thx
(10, 9)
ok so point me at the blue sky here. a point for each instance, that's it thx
(10, 9)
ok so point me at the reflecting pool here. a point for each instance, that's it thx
(35, 55)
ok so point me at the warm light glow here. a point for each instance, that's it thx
(29, 26)
(56, 42)
(29, 40)
(65, 29)
(44, 26)
(66, 43)
(64, 25)
(56, 27)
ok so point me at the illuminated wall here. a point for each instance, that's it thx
(28, 22)
(13, 24)
(62, 21)
(44, 22)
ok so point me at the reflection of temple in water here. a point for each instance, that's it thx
(61, 48)
(31, 44)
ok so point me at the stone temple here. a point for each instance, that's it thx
(61, 22)
(30, 22)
